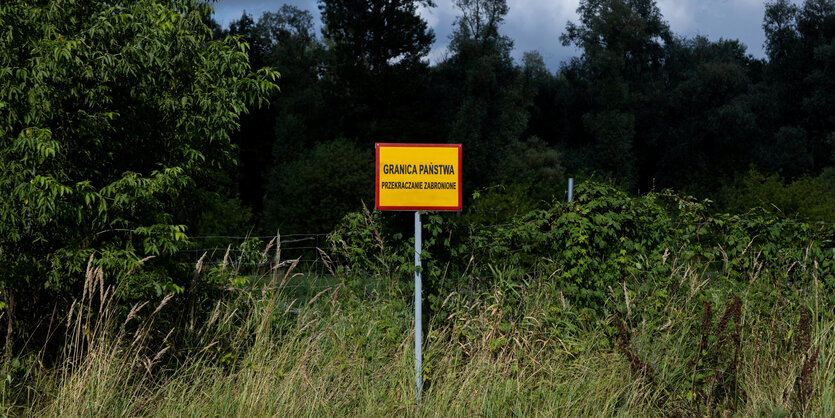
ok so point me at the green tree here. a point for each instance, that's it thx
(312, 193)
(548, 109)
(372, 34)
(299, 115)
(622, 43)
(285, 40)
(707, 128)
(375, 74)
(800, 42)
(623, 54)
(779, 24)
(485, 95)
(478, 25)
(110, 112)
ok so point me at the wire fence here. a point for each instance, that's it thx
(255, 255)
(258, 254)
(238, 251)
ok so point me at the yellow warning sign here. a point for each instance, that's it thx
(418, 177)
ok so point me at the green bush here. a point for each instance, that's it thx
(808, 198)
(315, 190)
(603, 242)
(110, 112)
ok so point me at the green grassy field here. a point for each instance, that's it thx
(342, 352)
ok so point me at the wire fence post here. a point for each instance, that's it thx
(570, 189)
(418, 310)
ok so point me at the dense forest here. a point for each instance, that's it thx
(154, 165)
(641, 107)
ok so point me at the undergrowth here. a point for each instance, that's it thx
(701, 318)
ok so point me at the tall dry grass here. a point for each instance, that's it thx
(260, 353)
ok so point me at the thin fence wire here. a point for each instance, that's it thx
(243, 252)
(247, 259)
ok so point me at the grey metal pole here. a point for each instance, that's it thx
(571, 189)
(418, 310)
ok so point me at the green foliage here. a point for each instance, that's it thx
(371, 34)
(593, 244)
(807, 198)
(311, 194)
(511, 348)
(224, 215)
(601, 244)
(357, 242)
(623, 53)
(500, 204)
(110, 112)
(284, 39)
(709, 116)
(537, 166)
(478, 27)
(374, 81)
(705, 314)
(486, 108)
(287, 40)
(613, 132)
(799, 42)
(640, 107)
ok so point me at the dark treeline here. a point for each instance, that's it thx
(641, 107)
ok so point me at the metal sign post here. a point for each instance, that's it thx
(414, 177)
(418, 310)
(571, 189)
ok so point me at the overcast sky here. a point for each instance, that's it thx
(537, 24)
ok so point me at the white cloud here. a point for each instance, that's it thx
(681, 15)
(443, 14)
(537, 25)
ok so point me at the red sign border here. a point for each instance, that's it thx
(411, 208)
